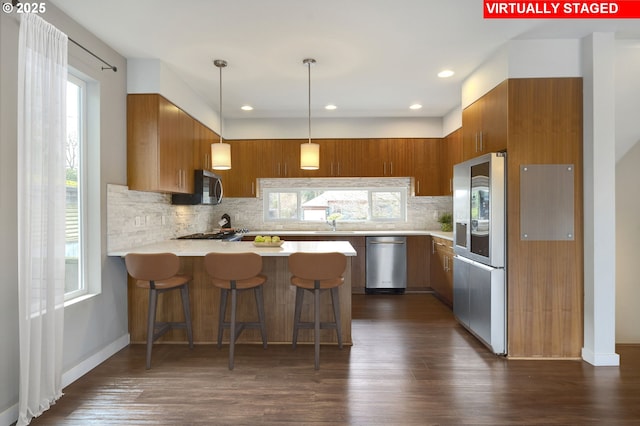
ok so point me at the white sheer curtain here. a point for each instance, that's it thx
(42, 88)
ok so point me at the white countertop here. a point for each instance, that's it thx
(346, 233)
(201, 247)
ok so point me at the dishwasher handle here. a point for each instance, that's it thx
(387, 242)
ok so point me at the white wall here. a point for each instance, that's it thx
(627, 238)
(95, 328)
(9, 352)
(407, 127)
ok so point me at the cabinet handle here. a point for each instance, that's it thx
(433, 247)
(476, 141)
(481, 143)
(331, 168)
(446, 263)
(418, 189)
(450, 185)
(391, 168)
(338, 163)
(286, 173)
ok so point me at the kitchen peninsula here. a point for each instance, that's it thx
(279, 295)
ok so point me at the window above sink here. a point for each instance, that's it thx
(343, 204)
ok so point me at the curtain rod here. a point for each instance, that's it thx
(108, 65)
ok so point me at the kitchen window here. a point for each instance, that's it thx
(343, 204)
(82, 183)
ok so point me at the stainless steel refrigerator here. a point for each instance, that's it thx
(479, 278)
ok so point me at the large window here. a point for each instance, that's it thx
(75, 245)
(344, 204)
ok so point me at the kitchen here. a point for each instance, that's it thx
(96, 328)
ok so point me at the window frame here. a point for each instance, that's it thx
(82, 288)
(91, 223)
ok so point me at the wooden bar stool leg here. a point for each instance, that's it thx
(151, 323)
(316, 302)
(184, 292)
(221, 314)
(260, 306)
(335, 301)
(296, 315)
(232, 334)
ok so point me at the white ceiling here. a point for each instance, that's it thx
(374, 57)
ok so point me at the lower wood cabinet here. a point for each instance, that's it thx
(418, 247)
(441, 258)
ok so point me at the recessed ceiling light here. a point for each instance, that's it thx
(445, 73)
(246, 108)
(330, 106)
(415, 106)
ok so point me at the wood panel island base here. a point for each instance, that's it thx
(279, 294)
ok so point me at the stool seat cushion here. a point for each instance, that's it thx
(175, 281)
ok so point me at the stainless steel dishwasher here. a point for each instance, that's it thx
(386, 265)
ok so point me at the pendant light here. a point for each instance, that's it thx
(220, 152)
(309, 152)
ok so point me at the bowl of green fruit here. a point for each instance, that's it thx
(267, 241)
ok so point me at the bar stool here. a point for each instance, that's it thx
(158, 273)
(315, 272)
(233, 272)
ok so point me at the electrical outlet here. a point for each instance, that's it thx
(164, 220)
(138, 221)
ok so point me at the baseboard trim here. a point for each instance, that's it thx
(601, 359)
(94, 360)
(9, 416)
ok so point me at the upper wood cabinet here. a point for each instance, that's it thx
(427, 157)
(203, 138)
(159, 145)
(387, 158)
(484, 123)
(278, 158)
(451, 154)
(241, 180)
(338, 158)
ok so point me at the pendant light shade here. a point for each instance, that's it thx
(309, 156)
(220, 156)
(309, 152)
(220, 152)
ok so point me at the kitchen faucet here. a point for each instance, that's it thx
(332, 223)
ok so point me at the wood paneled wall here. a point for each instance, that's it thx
(545, 278)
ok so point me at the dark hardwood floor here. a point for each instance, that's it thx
(410, 364)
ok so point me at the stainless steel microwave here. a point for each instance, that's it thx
(207, 190)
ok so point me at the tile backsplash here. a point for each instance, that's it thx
(136, 218)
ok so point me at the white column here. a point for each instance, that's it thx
(598, 59)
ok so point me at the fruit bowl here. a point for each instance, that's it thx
(271, 244)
